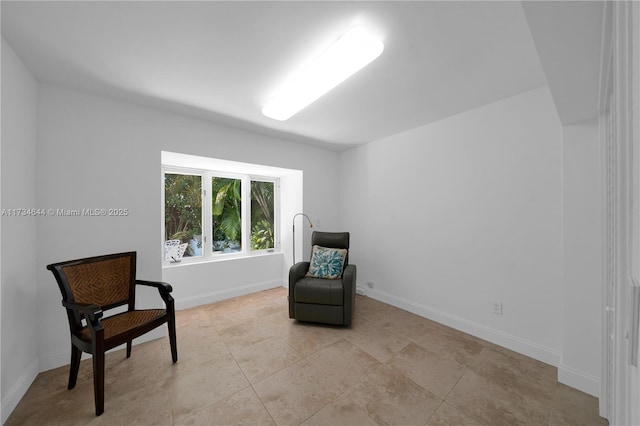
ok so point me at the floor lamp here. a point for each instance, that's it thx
(294, 232)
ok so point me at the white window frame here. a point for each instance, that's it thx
(206, 225)
(243, 207)
(189, 172)
(276, 213)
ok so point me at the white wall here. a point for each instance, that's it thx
(18, 277)
(452, 216)
(634, 379)
(200, 283)
(95, 152)
(581, 321)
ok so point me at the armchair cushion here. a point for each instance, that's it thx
(326, 262)
(319, 291)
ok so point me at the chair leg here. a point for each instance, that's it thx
(74, 367)
(129, 349)
(171, 324)
(98, 381)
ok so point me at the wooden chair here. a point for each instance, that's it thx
(96, 284)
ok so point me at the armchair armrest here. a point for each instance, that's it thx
(92, 313)
(349, 275)
(298, 271)
(163, 288)
(89, 310)
(349, 283)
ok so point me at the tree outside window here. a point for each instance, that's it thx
(226, 214)
(183, 211)
(262, 217)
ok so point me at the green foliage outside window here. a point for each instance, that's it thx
(262, 215)
(226, 213)
(183, 208)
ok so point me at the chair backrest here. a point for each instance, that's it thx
(332, 240)
(107, 281)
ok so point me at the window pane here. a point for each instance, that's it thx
(226, 214)
(183, 211)
(262, 218)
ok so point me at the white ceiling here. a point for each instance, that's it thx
(222, 60)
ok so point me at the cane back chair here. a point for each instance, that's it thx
(93, 285)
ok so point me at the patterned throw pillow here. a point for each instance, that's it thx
(327, 262)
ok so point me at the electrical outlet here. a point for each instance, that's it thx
(370, 284)
(497, 308)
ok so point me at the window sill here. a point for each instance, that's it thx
(218, 258)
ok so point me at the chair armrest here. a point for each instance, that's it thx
(298, 271)
(349, 276)
(89, 310)
(163, 288)
(349, 283)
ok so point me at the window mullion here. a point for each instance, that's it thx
(206, 214)
(246, 214)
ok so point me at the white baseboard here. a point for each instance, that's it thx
(567, 375)
(579, 380)
(514, 343)
(17, 391)
(216, 296)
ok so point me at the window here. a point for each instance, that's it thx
(226, 214)
(242, 211)
(262, 215)
(183, 212)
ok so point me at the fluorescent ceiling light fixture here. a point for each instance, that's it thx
(349, 54)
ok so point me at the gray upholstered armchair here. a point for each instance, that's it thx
(315, 299)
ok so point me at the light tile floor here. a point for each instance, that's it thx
(243, 361)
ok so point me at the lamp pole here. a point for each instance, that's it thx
(294, 232)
